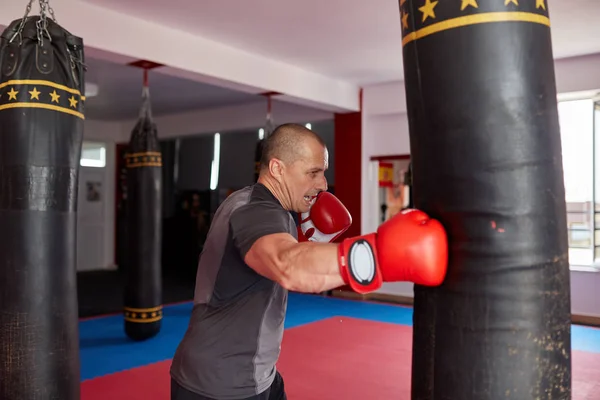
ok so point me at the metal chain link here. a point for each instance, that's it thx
(28, 9)
(20, 29)
(45, 8)
(42, 23)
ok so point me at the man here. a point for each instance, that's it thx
(252, 258)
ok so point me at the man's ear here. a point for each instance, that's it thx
(276, 168)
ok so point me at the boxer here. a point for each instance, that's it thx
(256, 253)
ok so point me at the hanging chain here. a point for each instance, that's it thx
(41, 24)
(20, 29)
(27, 10)
(45, 9)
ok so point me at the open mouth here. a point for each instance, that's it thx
(309, 199)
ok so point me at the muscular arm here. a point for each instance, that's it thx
(303, 267)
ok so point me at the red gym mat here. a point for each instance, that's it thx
(346, 358)
(150, 382)
(337, 358)
(329, 359)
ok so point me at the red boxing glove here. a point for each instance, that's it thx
(409, 247)
(326, 220)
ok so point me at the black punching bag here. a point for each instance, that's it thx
(41, 131)
(486, 158)
(143, 289)
(267, 130)
(257, 157)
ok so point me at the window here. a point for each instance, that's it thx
(93, 155)
(577, 139)
(214, 167)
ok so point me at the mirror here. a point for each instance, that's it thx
(394, 194)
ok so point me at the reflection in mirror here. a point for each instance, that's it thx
(394, 194)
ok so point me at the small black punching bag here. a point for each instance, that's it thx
(143, 290)
(41, 132)
(257, 157)
(267, 130)
(486, 158)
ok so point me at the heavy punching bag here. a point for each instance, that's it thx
(143, 289)
(267, 130)
(486, 161)
(257, 157)
(41, 132)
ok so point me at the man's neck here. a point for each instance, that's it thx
(274, 188)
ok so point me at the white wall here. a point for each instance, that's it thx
(388, 135)
(385, 132)
(95, 244)
(95, 219)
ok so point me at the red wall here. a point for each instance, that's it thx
(348, 165)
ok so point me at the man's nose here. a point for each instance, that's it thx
(322, 184)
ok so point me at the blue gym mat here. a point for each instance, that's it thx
(104, 348)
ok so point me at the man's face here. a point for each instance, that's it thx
(305, 178)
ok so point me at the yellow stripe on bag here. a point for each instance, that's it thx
(42, 105)
(483, 18)
(39, 82)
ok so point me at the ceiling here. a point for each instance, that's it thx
(120, 90)
(354, 40)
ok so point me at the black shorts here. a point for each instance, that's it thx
(275, 392)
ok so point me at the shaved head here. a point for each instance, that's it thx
(293, 164)
(287, 143)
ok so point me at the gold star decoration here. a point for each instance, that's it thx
(515, 2)
(466, 3)
(540, 4)
(405, 20)
(55, 96)
(427, 9)
(73, 102)
(34, 94)
(12, 95)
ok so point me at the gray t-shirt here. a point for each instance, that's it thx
(234, 336)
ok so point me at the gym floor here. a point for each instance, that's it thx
(332, 349)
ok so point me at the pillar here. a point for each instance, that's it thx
(348, 166)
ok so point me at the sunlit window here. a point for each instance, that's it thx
(577, 139)
(93, 155)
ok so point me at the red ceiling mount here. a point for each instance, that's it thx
(145, 64)
(269, 94)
